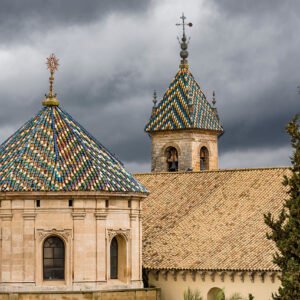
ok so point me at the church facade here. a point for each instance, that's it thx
(76, 225)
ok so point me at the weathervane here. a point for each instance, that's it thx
(184, 43)
(52, 65)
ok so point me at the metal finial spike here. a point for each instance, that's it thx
(214, 99)
(184, 43)
(52, 66)
(154, 98)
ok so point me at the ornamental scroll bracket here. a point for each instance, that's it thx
(66, 234)
(111, 233)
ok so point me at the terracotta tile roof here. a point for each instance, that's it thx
(210, 220)
(52, 152)
(173, 111)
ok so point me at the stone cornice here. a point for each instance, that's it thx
(6, 216)
(78, 215)
(67, 195)
(232, 275)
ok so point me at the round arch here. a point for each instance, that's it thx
(171, 159)
(53, 249)
(215, 293)
(118, 257)
(204, 158)
(174, 145)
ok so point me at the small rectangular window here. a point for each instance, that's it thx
(129, 203)
(70, 202)
(106, 203)
(38, 203)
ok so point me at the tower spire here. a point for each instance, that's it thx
(52, 65)
(184, 43)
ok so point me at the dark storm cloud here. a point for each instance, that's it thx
(114, 53)
(258, 8)
(20, 19)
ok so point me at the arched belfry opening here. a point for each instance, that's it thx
(215, 293)
(172, 159)
(53, 259)
(204, 159)
(118, 266)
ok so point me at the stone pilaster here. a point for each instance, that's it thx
(79, 248)
(101, 247)
(28, 245)
(6, 253)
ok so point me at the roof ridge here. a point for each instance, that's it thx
(214, 171)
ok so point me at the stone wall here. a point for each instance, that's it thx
(138, 294)
(188, 144)
(86, 229)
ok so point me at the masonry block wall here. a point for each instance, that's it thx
(86, 230)
(188, 144)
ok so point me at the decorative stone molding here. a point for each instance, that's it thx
(100, 216)
(273, 276)
(29, 215)
(183, 274)
(252, 276)
(262, 276)
(66, 234)
(111, 233)
(174, 274)
(212, 276)
(80, 215)
(133, 217)
(156, 274)
(232, 276)
(6, 216)
(164, 274)
(194, 274)
(222, 276)
(242, 276)
(202, 275)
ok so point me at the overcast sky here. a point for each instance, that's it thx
(113, 54)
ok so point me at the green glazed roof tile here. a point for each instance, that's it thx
(52, 152)
(173, 110)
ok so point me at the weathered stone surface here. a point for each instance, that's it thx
(140, 294)
(86, 229)
(188, 144)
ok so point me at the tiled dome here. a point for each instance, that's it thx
(52, 152)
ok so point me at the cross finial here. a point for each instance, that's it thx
(183, 43)
(183, 24)
(52, 65)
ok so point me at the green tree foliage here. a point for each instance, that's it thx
(285, 229)
(190, 295)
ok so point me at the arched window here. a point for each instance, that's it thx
(204, 159)
(215, 293)
(114, 258)
(172, 159)
(118, 260)
(54, 259)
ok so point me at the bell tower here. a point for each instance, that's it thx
(184, 127)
